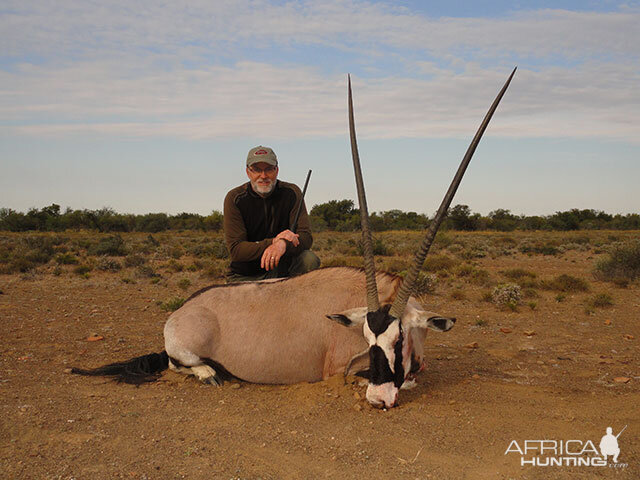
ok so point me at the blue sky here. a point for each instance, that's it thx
(151, 106)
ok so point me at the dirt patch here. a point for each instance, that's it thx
(549, 374)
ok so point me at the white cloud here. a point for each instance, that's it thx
(262, 100)
(76, 28)
(150, 69)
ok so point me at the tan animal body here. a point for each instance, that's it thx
(275, 331)
(280, 331)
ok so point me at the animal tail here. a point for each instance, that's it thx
(136, 371)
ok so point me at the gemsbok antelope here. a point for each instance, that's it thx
(310, 327)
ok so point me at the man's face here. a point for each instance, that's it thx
(262, 177)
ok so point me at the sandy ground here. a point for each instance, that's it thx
(557, 383)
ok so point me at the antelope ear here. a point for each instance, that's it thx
(354, 317)
(440, 324)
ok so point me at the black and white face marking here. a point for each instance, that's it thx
(393, 351)
(386, 357)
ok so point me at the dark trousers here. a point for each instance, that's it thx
(303, 263)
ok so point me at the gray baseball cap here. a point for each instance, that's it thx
(261, 154)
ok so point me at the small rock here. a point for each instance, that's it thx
(506, 330)
(622, 379)
(475, 375)
(471, 345)
(628, 337)
(95, 338)
(356, 395)
(68, 370)
(607, 322)
(235, 386)
(529, 333)
(357, 407)
(451, 402)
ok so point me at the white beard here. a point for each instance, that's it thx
(262, 189)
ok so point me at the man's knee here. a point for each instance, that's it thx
(303, 263)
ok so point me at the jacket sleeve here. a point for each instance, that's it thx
(304, 227)
(235, 234)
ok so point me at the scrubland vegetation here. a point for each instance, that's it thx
(335, 215)
(462, 266)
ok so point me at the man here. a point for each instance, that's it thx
(257, 216)
(609, 445)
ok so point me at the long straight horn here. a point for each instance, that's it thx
(373, 302)
(405, 290)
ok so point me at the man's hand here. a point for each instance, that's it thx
(289, 236)
(273, 253)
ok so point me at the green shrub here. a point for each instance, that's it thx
(439, 262)
(107, 264)
(146, 271)
(565, 283)
(475, 275)
(184, 283)
(82, 269)
(215, 269)
(545, 249)
(486, 296)
(601, 300)
(112, 245)
(395, 264)
(516, 274)
(621, 265)
(67, 259)
(175, 266)
(343, 261)
(134, 260)
(172, 304)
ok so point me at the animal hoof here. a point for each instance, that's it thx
(214, 380)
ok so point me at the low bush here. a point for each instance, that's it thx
(425, 283)
(82, 269)
(439, 262)
(107, 264)
(601, 300)
(396, 264)
(565, 283)
(172, 304)
(621, 265)
(507, 295)
(516, 274)
(184, 283)
(112, 245)
(134, 260)
(215, 269)
(146, 271)
(67, 259)
(544, 249)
